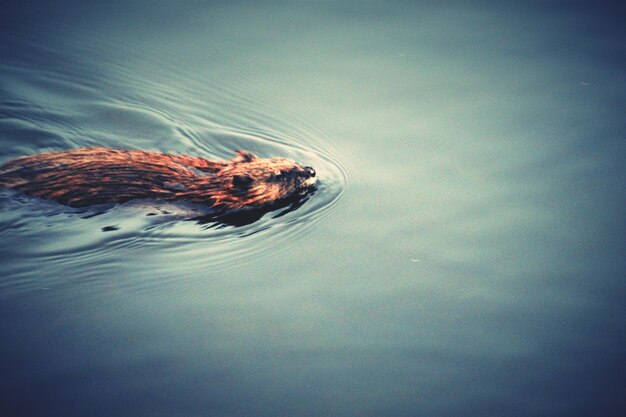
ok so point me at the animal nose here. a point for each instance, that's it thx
(310, 171)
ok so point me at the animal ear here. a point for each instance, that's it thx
(242, 181)
(244, 156)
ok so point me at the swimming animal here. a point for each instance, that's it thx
(89, 176)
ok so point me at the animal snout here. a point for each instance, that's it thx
(309, 171)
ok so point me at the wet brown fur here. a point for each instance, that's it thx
(89, 176)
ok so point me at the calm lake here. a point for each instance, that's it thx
(464, 254)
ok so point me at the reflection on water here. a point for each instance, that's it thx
(463, 254)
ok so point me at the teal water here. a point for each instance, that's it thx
(463, 256)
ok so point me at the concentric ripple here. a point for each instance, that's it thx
(58, 107)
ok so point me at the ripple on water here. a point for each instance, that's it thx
(60, 110)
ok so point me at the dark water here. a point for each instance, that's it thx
(464, 255)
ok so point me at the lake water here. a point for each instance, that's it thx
(464, 254)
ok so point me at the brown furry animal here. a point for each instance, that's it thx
(89, 176)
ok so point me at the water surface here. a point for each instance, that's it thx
(464, 254)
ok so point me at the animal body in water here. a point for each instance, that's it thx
(89, 176)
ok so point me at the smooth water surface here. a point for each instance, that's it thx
(464, 254)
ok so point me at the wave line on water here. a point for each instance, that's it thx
(173, 111)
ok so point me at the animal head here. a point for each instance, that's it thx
(250, 182)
